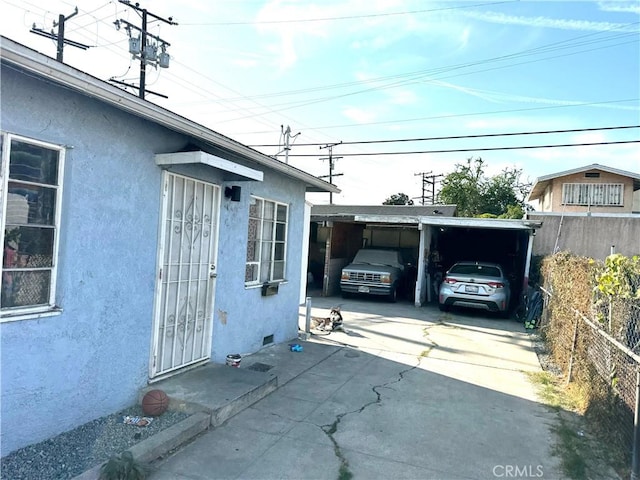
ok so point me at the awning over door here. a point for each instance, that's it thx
(236, 172)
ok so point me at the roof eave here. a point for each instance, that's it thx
(86, 84)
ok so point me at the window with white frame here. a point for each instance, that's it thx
(267, 241)
(31, 179)
(597, 194)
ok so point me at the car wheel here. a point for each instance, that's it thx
(393, 296)
(443, 307)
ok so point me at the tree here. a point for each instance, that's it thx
(398, 199)
(462, 188)
(475, 195)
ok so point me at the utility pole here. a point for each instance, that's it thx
(428, 179)
(59, 37)
(140, 47)
(331, 158)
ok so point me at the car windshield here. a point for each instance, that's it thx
(377, 257)
(476, 269)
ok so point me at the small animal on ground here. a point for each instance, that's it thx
(331, 323)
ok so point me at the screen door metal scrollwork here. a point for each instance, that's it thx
(187, 275)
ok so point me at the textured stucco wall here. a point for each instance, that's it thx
(589, 236)
(61, 371)
(242, 316)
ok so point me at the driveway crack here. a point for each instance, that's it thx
(331, 429)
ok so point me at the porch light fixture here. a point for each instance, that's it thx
(232, 193)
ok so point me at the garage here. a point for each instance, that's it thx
(431, 239)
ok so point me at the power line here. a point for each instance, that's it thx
(472, 114)
(456, 150)
(412, 77)
(415, 76)
(303, 103)
(349, 17)
(457, 137)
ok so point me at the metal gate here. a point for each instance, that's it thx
(185, 288)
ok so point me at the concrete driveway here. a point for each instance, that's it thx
(405, 392)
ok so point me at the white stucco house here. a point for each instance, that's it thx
(136, 243)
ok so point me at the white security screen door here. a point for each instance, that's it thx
(186, 281)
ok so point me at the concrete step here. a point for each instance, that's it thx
(219, 390)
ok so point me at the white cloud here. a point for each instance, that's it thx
(359, 115)
(402, 97)
(245, 62)
(502, 97)
(464, 37)
(543, 22)
(622, 7)
(511, 123)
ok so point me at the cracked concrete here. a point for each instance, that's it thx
(405, 392)
(331, 429)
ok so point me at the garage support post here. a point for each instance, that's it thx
(307, 318)
(422, 273)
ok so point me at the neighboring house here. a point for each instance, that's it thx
(593, 188)
(136, 243)
(590, 211)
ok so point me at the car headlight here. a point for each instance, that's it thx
(385, 278)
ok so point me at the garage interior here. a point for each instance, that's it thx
(430, 246)
(507, 247)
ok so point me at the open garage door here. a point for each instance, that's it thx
(451, 240)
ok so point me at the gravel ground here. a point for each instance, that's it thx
(544, 355)
(71, 453)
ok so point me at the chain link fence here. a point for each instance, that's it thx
(590, 321)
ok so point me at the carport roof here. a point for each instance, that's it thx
(495, 223)
(350, 212)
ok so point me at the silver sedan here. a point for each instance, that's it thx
(479, 285)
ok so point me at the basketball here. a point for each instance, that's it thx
(155, 402)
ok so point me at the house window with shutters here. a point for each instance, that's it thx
(267, 241)
(31, 180)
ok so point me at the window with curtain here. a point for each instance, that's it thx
(31, 176)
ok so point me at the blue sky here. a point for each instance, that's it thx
(367, 70)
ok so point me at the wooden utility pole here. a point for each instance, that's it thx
(59, 37)
(146, 51)
(429, 179)
(332, 165)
